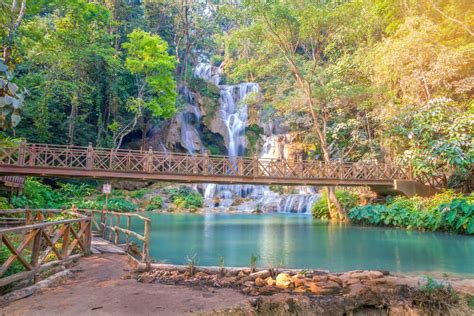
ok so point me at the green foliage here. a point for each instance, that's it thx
(435, 297)
(347, 199)
(148, 59)
(4, 204)
(138, 194)
(11, 99)
(446, 212)
(185, 198)
(156, 202)
(38, 195)
(16, 266)
(253, 133)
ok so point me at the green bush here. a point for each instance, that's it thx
(138, 194)
(156, 202)
(38, 195)
(347, 199)
(4, 204)
(185, 197)
(447, 211)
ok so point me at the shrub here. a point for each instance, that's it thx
(155, 203)
(447, 211)
(185, 197)
(347, 199)
(138, 194)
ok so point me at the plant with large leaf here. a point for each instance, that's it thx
(11, 100)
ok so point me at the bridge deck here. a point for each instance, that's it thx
(74, 161)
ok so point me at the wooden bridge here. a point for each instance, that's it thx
(74, 161)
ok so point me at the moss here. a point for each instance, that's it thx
(253, 132)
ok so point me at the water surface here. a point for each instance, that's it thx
(299, 241)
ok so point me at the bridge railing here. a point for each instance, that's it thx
(139, 161)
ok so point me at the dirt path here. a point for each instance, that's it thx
(101, 288)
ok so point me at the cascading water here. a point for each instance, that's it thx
(233, 113)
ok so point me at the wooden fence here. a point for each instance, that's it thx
(39, 245)
(36, 244)
(108, 225)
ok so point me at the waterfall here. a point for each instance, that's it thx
(233, 113)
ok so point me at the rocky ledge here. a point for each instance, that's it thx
(319, 292)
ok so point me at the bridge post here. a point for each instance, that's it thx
(206, 164)
(89, 157)
(149, 160)
(255, 166)
(21, 153)
(32, 159)
(240, 166)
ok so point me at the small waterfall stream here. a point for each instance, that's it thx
(233, 113)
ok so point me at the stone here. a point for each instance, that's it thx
(283, 280)
(260, 282)
(268, 290)
(313, 287)
(259, 274)
(375, 274)
(270, 281)
(332, 284)
(336, 279)
(299, 290)
(297, 280)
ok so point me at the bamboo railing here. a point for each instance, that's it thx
(38, 245)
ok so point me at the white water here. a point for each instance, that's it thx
(233, 113)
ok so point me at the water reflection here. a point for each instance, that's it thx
(298, 241)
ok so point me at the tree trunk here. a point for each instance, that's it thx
(72, 118)
(14, 24)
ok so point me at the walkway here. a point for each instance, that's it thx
(73, 161)
(103, 287)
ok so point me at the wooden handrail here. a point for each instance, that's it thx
(50, 159)
(63, 238)
(114, 229)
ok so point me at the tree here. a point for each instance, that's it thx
(301, 53)
(11, 100)
(153, 67)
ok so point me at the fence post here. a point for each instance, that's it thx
(117, 232)
(146, 243)
(35, 252)
(90, 157)
(129, 222)
(65, 242)
(21, 153)
(87, 235)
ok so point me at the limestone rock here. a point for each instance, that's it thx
(260, 282)
(283, 280)
(270, 281)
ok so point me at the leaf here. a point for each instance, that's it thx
(12, 87)
(9, 100)
(470, 226)
(3, 67)
(15, 118)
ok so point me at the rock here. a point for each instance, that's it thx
(336, 279)
(299, 290)
(375, 274)
(260, 282)
(313, 287)
(248, 283)
(259, 274)
(297, 280)
(359, 275)
(270, 281)
(332, 284)
(283, 280)
(267, 290)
